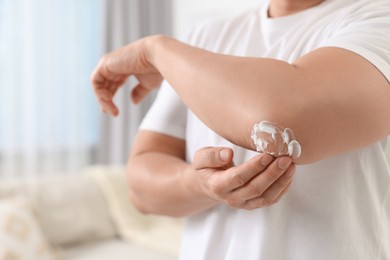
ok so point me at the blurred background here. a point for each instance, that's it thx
(63, 192)
(49, 120)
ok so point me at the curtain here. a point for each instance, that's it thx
(48, 115)
(127, 21)
(49, 120)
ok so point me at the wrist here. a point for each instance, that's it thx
(152, 48)
(191, 183)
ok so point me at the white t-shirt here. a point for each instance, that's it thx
(338, 208)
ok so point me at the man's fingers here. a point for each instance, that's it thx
(96, 77)
(101, 75)
(212, 157)
(106, 62)
(273, 172)
(138, 93)
(109, 106)
(274, 191)
(104, 94)
(105, 89)
(261, 201)
(245, 172)
(284, 191)
(260, 183)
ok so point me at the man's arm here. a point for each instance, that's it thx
(161, 182)
(333, 99)
(157, 180)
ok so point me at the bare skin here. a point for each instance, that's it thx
(341, 95)
(161, 182)
(326, 118)
(279, 8)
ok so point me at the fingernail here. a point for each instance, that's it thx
(266, 160)
(284, 162)
(224, 155)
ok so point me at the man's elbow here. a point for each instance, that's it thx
(137, 203)
(277, 130)
(133, 189)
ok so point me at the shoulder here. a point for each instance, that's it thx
(367, 10)
(364, 28)
(365, 21)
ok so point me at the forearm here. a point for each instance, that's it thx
(163, 184)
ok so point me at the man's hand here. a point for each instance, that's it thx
(114, 69)
(260, 182)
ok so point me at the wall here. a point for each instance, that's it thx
(187, 13)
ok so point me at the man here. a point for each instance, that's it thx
(319, 68)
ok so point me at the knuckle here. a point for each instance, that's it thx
(276, 188)
(277, 199)
(92, 80)
(268, 201)
(102, 60)
(264, 201)
(273, 173)
(197, 159)
(197, 154)
(208, 155)
(256, 166)
(281, 184)
(216, 189)
(237, 180)
(253, 190)
(233, 203)
(257, 203)
(202, 154)
(275, 194)
(104, 57)
(251, 206)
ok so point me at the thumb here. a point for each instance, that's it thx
(213, 157)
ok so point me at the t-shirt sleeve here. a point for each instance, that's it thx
(167, 115)
(366, 32)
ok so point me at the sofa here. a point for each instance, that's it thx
(81, 216)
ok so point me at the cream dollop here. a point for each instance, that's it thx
(275, 140)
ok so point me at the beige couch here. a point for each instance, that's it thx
(88, 216)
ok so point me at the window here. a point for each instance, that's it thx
(48, 114)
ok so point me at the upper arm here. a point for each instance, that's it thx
(340, 102)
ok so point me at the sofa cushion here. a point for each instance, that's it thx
(70, 209)
(20, 234)
(112, 249)
(158, 233)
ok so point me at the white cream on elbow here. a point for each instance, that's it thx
(275, 140)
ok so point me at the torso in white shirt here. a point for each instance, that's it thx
(338, 208)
